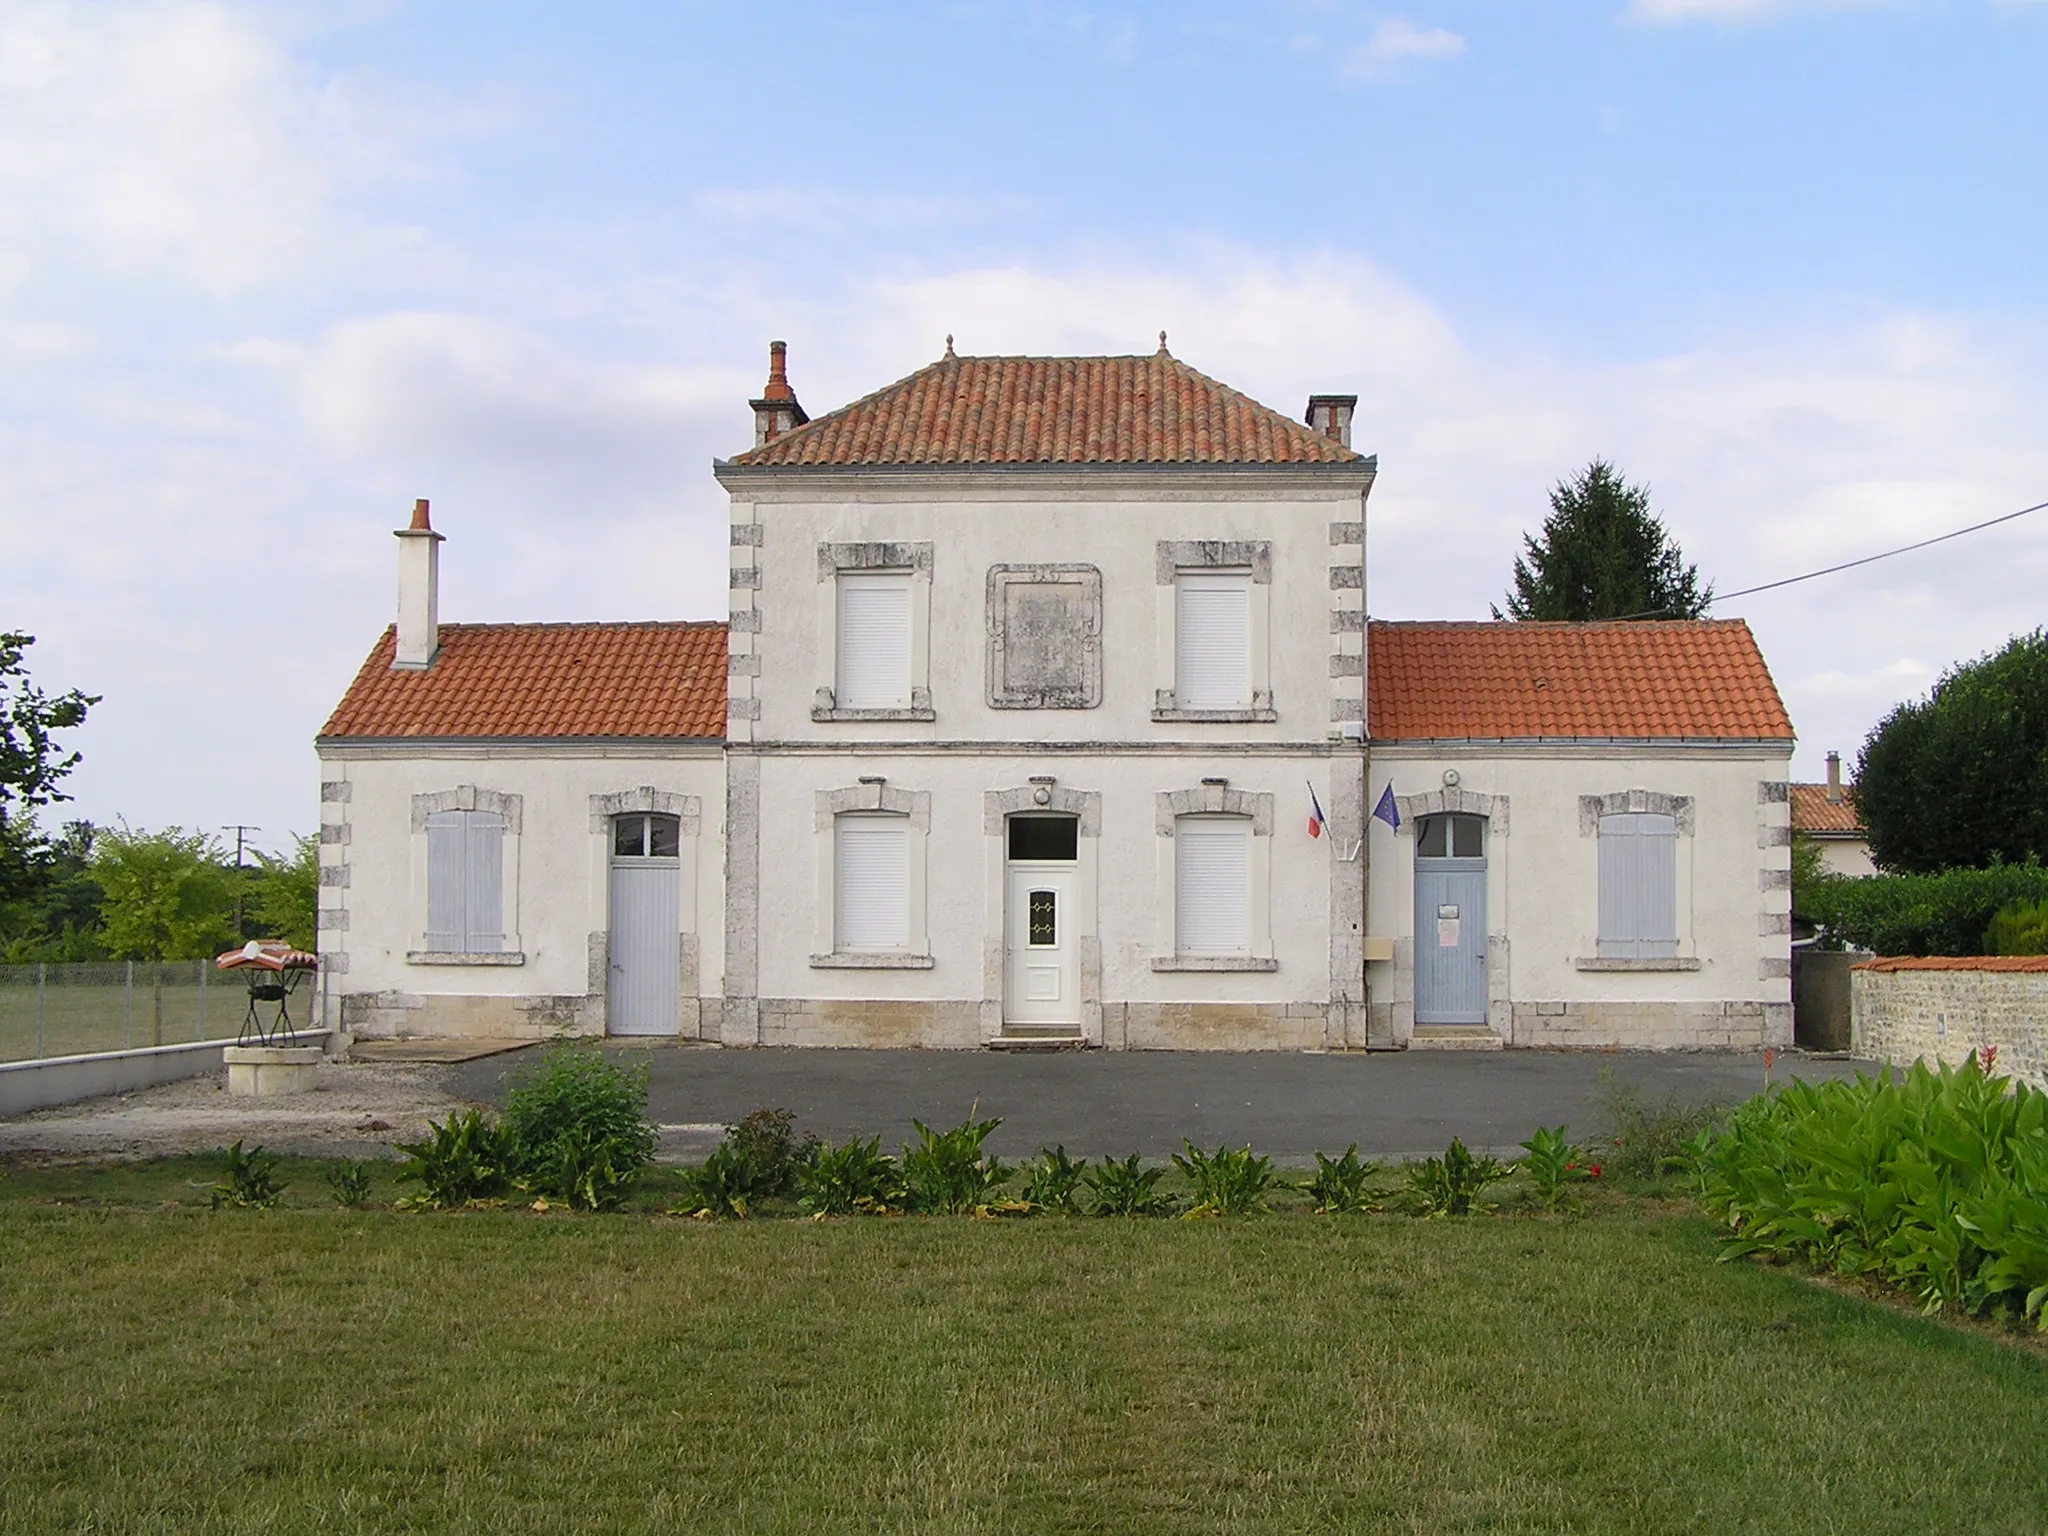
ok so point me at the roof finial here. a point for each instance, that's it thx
(1162, 344)
(949, 343)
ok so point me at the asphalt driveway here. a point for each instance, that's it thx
(1113, 1102)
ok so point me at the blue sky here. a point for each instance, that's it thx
(267, 273)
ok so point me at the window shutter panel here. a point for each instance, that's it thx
(1212, 879)
(1212, 635)
(447, 879)
(874, 642)
(484, 906)
(871, 896)
(1638, 886)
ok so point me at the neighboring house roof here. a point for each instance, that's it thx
(539, 680)
(1656, 681)
(1815, 815)
(1052, 410)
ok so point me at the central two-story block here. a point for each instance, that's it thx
(1041, 670)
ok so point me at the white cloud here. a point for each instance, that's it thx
(1395, 40)
(179, 139)
(1739, 12)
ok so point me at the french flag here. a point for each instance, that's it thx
(1316, 819)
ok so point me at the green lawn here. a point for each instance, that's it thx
(169, 1368)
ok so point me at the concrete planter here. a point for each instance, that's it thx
(271, 1071)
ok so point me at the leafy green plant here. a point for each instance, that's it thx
(1451, 1185)
(947, 1172)
(1229, 1181)
(759, 1160)
(465, 1158)
(349, 1182)
(1126, 1189)
(1933, 1181)
(577, 1128)
(2020, 929)
(1648, 1137)
(855, 1178)
(1344, 1186)
(248, 1180)
(1052, 1180)
(1554, 1165)
(1948, 913)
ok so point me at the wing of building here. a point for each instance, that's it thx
(1047, 710)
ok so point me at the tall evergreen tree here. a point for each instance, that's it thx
(1603, 555)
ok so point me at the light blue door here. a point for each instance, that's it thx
(1450, 921)
(646, 889)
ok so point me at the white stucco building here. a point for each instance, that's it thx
(1041, 715)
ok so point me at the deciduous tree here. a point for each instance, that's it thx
(167, 896)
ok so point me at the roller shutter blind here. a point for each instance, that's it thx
(1212, 640)
(871, 884)
(1638, 886)
(465, 882)
(1212, 885)
(874, 642)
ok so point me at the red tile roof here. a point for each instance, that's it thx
(528, 680)
(1660, 681)
(1814, 814)
(2020, 963)
(1052, 410)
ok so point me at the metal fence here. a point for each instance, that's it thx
(118, 1005)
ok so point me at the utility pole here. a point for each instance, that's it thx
(240, 831)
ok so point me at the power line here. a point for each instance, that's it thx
(1850, 565)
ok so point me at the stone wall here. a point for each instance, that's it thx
(1942, 1009)
(1652, 1026)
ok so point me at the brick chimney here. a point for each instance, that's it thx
(1331, 416)
(777, 412)
(419, 593)
(1834, 778)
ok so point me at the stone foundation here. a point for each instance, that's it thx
(1902, 1011)
(872, 1023)
(1652, 1026)
(1215, 1026)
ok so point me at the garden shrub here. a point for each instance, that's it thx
(577, 1128)
(1648, 1137)
(1344, 1186)
(248, 1180)
(1940, 914)
(948, 1173)
(1229, 1181)
(1934, 1181)
(855, 1178)
(466, 1158)
(759, 1160)
(1126, 1189)
(1052, 1180)
(2020, 929)
(1451, 1185)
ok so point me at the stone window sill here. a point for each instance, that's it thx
(464, 957)
(870, 960)
(1217, 716)
(821, 714)
(1214, 963)
(1657, 963)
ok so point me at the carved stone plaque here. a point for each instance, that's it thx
(1044, 637)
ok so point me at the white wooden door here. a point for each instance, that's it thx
(1042, 960)
(644, 948)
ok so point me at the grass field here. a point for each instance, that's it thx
(91, 1007)
(169, 1368)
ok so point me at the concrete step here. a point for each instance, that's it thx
(1041, 1040)
(1454, 1037)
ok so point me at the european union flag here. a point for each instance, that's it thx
(1385, 809)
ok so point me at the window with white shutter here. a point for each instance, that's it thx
(874, 641)
(1212, 885)
(1212, 640)
(871, 883)
(465, 882)
(1638, 886)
